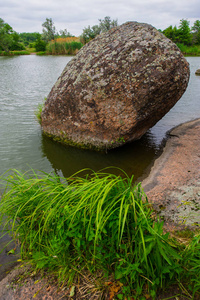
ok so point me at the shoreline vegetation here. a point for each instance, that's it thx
(51, 42)
(99, 227)
(60, 46)
(64, 47)
(189, 50)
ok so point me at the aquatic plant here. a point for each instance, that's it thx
(39, 110)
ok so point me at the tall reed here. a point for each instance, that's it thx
(68, 46)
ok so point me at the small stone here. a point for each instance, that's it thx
(197, 72)
(118, 86)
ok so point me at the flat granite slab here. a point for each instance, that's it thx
(173, 185)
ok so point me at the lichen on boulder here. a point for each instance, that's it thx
(118, 86)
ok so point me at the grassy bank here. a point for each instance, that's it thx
(12, 53)
(60, 46)
(100, 226)
(190, 50)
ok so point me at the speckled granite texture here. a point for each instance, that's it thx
(117, 87)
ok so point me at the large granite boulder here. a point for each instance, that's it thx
(117, 87)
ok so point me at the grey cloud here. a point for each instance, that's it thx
(28, 15)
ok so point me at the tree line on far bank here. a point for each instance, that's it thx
(53, 42)
(184, 34)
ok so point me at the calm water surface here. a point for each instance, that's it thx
(24, 83)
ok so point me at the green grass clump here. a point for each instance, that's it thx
(100, 222)
(39, 111)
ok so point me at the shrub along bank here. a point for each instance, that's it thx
(100, 224)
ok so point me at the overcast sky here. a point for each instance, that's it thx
(74, 15)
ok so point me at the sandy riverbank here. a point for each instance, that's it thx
(173, 187)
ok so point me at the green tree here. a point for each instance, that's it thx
(64, 33)
(184, 33)
(16, 45)
(106, 24)
(40, 45)
(29, 37)
(196, 32)
(5, 36)
(49, 30)
(171, 33)
(9, 39)
(90, 33)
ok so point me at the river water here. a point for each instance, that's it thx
(24, 83)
